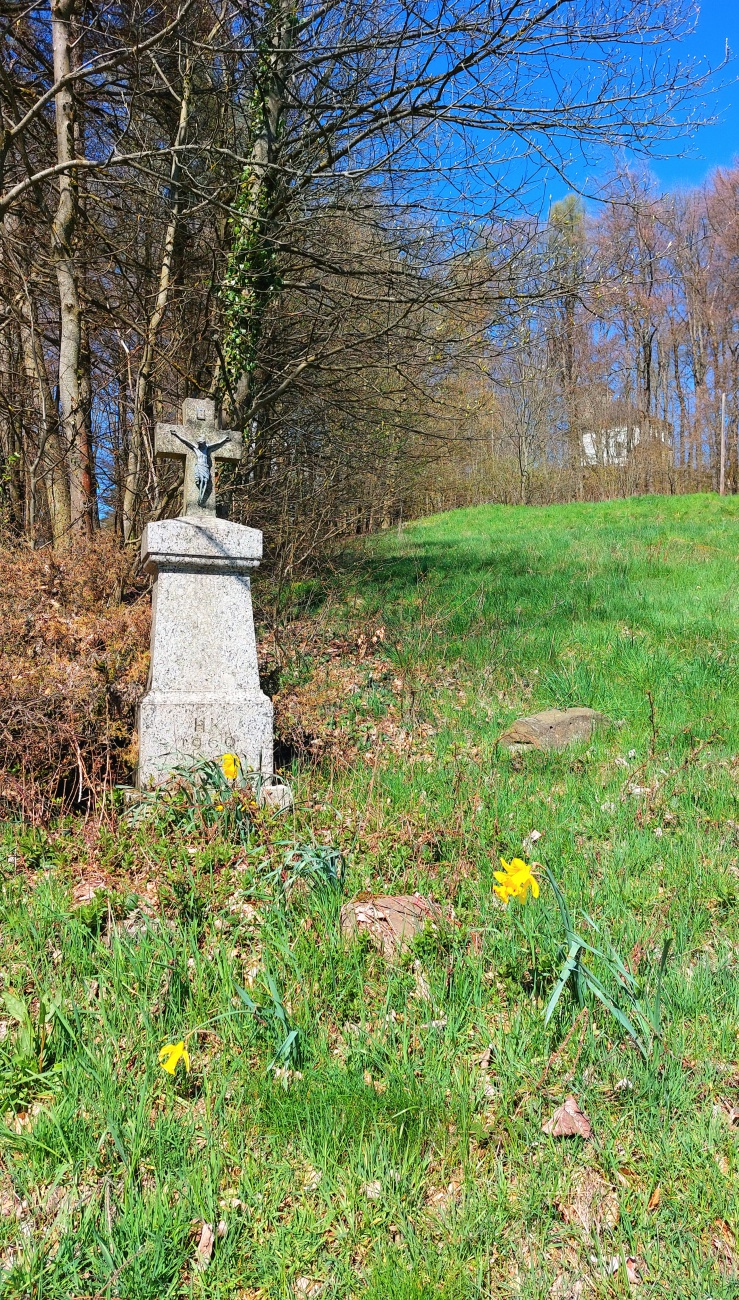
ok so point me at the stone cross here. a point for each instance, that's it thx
(198, 442)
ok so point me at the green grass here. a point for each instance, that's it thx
(109, 1166)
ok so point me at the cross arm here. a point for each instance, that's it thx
(228, 446)
(169, 440)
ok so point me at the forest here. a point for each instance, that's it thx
(332, 218)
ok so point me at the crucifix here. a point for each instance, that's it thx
(198, 442)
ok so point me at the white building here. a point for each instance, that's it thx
(610, 446)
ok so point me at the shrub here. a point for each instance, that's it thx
(75, 631)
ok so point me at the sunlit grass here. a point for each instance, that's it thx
(392, 1165)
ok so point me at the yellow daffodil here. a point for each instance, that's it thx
(230, 766)
(515, 880)
(170, 1054)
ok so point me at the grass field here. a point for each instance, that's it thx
(379, 1157)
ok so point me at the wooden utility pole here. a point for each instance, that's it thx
(722, 471)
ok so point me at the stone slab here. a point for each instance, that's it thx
(552, 729)
(276, 794)
(195, 542)
(177, 728)
(391, 921)
(203, 696)
(202, 637)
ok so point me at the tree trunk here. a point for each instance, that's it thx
(132, 490)
(12, 462)
(71, 410)
(681, 406)
(50, 459)
(252, 275)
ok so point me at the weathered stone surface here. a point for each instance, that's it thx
(390, 922)
(203, 696)
(552, 729)
(184, 543)
(276, 794)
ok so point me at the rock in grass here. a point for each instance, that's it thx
(276, 794)
(390, 922)
(552, 729)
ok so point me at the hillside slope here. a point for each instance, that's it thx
(395, 1149)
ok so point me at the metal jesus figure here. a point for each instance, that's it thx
(199, 443)
(203, 472)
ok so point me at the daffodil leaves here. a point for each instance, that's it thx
(646, 1014)
(285, 1050)
(568, 969)
(288, 1050)
(319, 866)
(18, 1011)
(248, 1001)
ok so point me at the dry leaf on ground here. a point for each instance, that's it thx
(204, 1248)
(724, 1246)
(390, 922)
(422, 987)
(568, 1120)
(307, 1286)
(632, 1270)
(568, 1288)
(654, 1199)
(311, 1178)
(611, 1266)
(724, 1111)
(10, 1257)
(441, 1198)
(592, 1204)
(10, 1203)
(373, 1190)
(379, 1085)
(441, 1023)
(724, 1254)
(86, 889)
(490, 1091)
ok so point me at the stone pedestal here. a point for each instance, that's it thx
(203, 698)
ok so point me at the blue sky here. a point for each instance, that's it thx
(717, 145)
(702, 147)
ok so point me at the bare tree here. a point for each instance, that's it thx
(304, 210)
